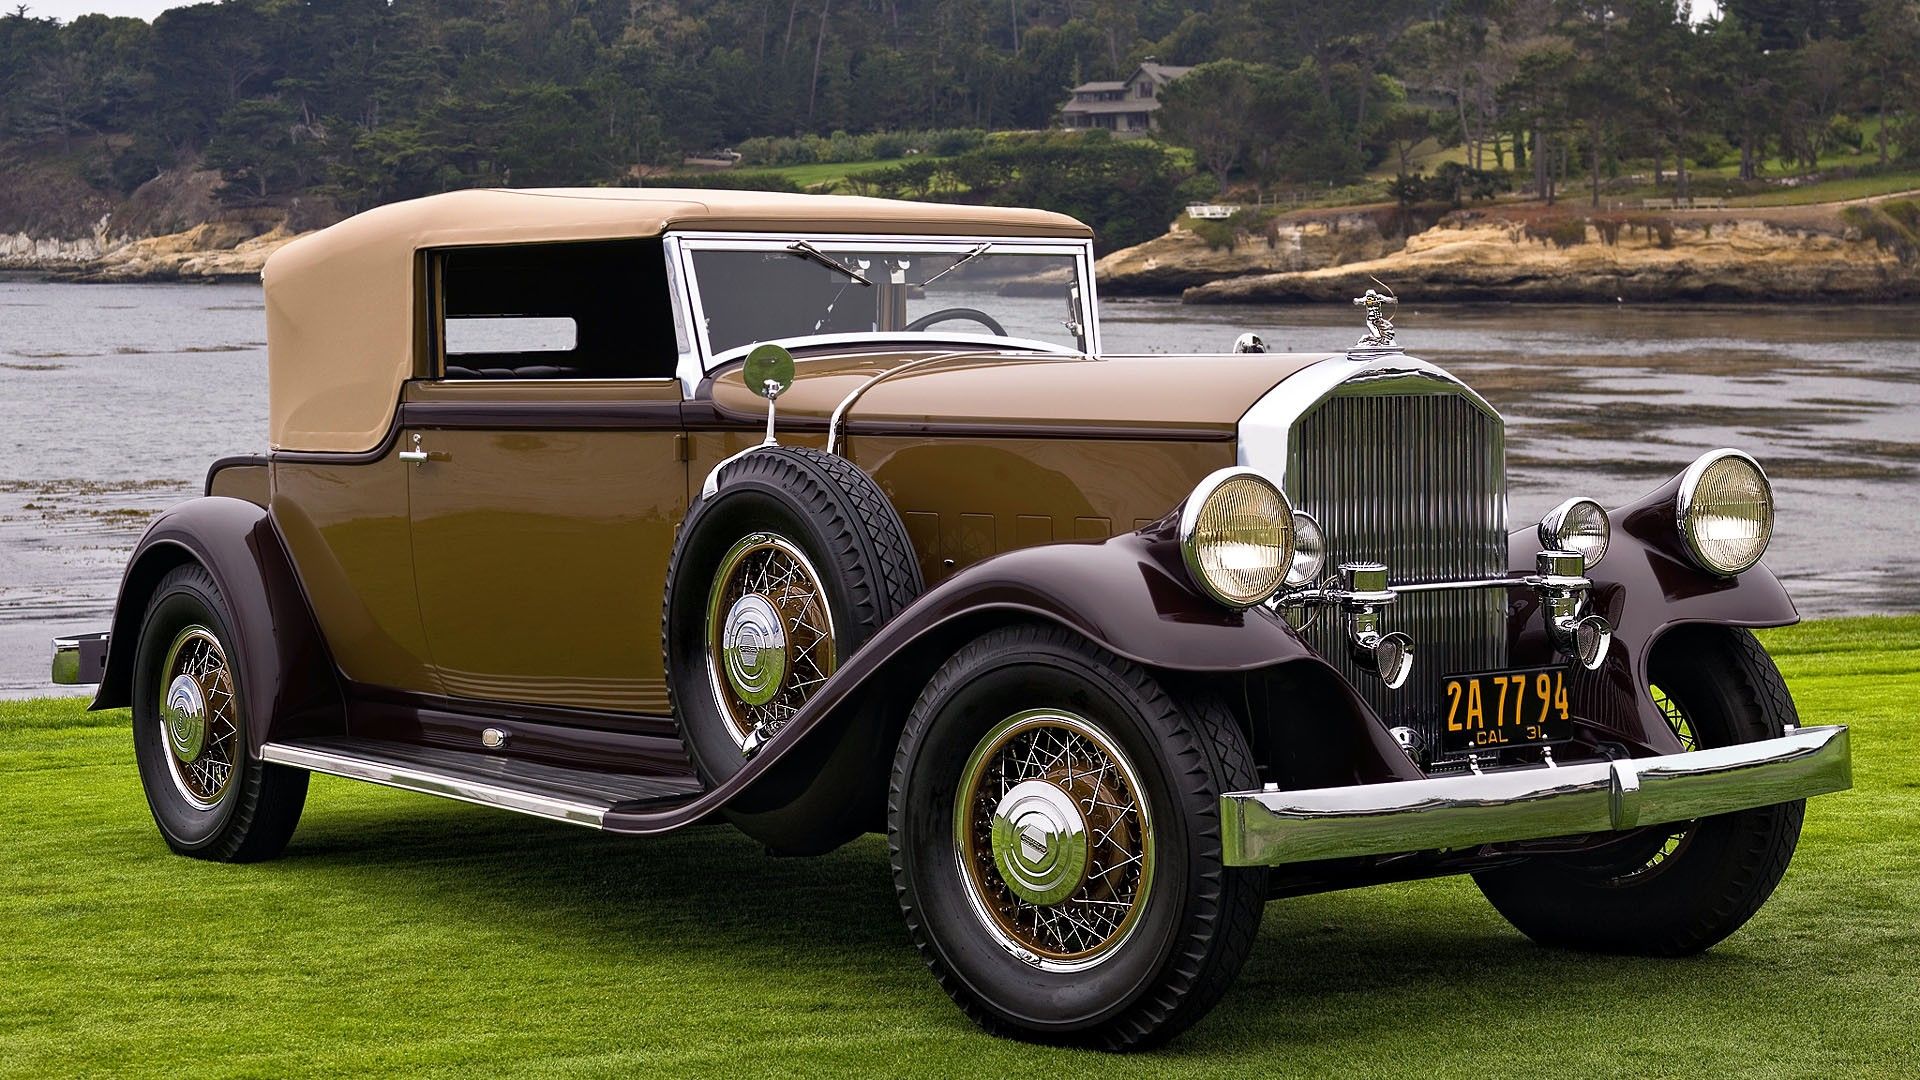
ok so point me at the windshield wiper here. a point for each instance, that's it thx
(806, 250)
(957, 264)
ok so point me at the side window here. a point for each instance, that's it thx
(556, 311)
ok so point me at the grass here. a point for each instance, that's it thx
(1853, 187)
(826, 176)
(407, 934)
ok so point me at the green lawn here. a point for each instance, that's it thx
(1855, 187)
(404, 934)
(825, 176)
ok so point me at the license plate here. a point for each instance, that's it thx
(1496, 710)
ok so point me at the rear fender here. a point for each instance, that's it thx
(285, 675)
(1646, 586)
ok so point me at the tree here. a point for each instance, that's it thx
(1211, 111)
(1598, 97)
(264, 149)
(1404, 128)
(1886, 54)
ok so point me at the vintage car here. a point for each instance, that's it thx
(638, 509)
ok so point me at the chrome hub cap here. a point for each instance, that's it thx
(1039, 842)
(185, 716)
(1055, 839)
(770, 638)
(753, 646)
(199, 717)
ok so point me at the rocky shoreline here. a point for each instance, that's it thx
(1519, 254)
(1814, 254)
(214, 251)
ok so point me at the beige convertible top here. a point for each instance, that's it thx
(341, 303)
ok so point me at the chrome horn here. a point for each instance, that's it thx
(1364, 592)
(1561, 578)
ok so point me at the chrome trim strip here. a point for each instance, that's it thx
(839, 416)
(1689, 490)
(1269, 828)
(1266, 429)
(984, 344)
(66, 662)
(73, 652)
(1190, 522)
(682, 244)
(410, 778)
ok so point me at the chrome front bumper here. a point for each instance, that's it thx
(1269, 828)
(79, 659)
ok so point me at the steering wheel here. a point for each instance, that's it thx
(970, 314)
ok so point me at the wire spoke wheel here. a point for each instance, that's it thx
(1672, 843)
(770, 635)
(199, 718)
(1055, 839)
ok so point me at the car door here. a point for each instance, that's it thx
(547, 480)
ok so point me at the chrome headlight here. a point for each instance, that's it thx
(1236, 534)
(1309, 550)
(1725, 512)
(1577, 525)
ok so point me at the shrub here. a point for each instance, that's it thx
(1906, 212)
(841, 147)
(1226, 234)
(1845, 131)
(1126, 190)
(1452, 183)
(724, 181)
(1712, 151)
(1562, 233)
(1891, 227)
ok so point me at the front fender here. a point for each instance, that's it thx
(1646, 586)
(285, 677)
(1128, 594)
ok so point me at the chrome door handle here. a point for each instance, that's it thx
(420, 456)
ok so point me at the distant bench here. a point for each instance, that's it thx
(1683, 204)
(1211, 211)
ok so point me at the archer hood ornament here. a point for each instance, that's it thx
(1379, 326)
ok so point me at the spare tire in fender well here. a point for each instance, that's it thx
(1128, 594)
(286, 674)
(843, 540)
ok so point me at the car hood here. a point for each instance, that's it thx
(1020, 392)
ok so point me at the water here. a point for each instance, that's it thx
(114, 399)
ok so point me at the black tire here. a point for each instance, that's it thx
(1198, 920)
(254, 812)
(835, 515)
(1681, 892)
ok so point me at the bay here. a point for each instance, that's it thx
(115, 398)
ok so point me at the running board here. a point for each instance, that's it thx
(575, 796)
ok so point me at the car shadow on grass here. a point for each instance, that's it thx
(1398, 962)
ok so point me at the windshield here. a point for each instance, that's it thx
(778, 290)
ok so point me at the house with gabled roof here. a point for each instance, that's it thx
(1125, 107)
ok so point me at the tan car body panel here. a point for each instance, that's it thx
(541, 555)
(347, 535)
(540, 543)
(1202, 394)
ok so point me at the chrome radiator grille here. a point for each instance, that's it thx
(1415, 480)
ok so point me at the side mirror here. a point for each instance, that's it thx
(769, 371)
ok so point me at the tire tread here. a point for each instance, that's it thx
(1205, 752)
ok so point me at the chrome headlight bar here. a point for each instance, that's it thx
(1363, 591)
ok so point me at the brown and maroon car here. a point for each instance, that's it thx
(637, 509)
